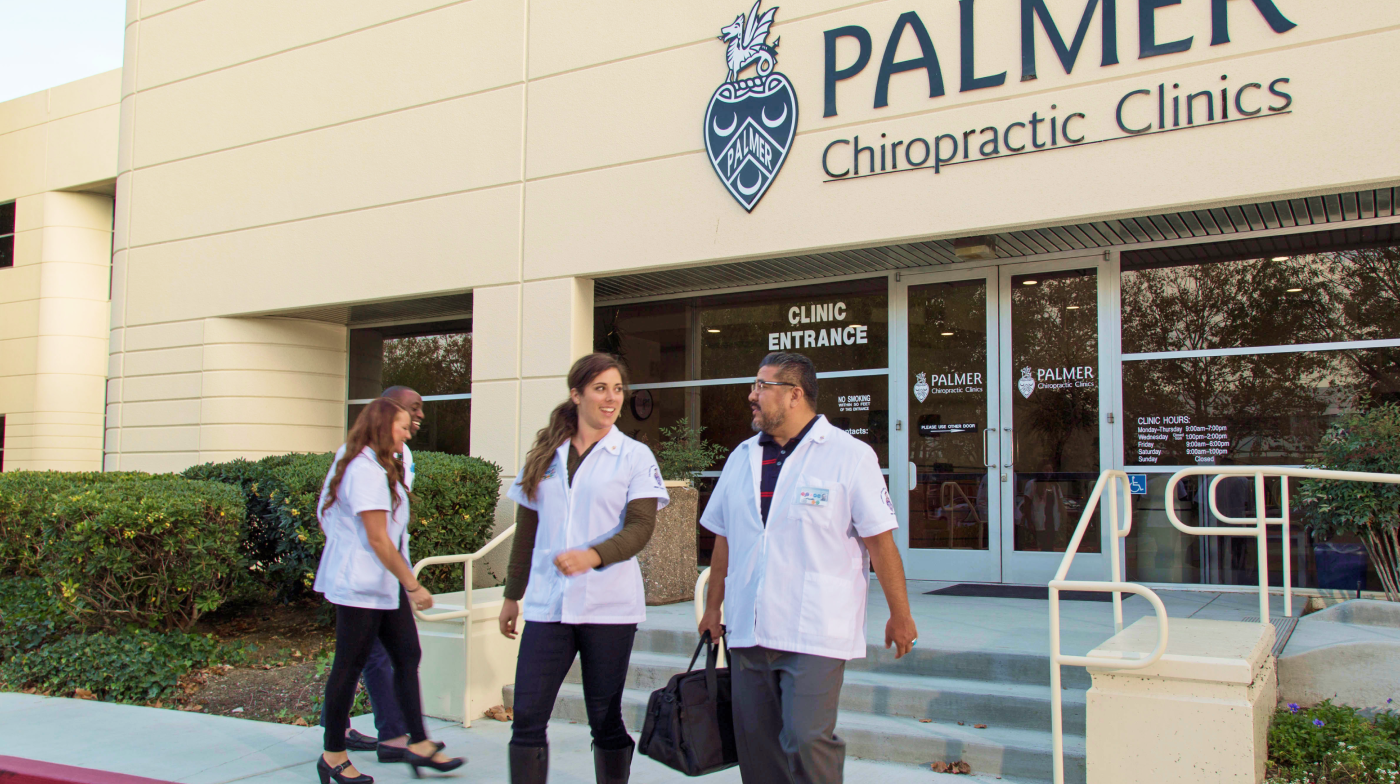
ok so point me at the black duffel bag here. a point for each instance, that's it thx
(690, 724)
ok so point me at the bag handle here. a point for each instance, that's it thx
(711, 661)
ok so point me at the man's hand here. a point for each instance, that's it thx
(709, 622)
(901, 632)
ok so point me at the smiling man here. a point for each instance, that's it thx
(792, 565)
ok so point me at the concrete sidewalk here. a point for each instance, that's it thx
(193, 748)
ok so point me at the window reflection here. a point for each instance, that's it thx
(432, 358)
(1055, 407)
(1265, 409)
(1272, 301)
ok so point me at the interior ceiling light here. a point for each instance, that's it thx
(1029, 282)
(712, 329)
(1071, 307)
(1294, 291)
(947, 334)
(1280, 258)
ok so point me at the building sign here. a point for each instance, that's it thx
(1056, 378)
(823, 335)
(1177, 440)
(750, 124)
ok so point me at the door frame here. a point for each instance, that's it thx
(978, 566)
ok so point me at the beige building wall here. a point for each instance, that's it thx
(277, 158)
(57, 162)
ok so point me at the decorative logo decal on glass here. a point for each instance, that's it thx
(921, 387)
(750, 123)
(1026, 384)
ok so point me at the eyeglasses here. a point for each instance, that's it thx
(759, 384)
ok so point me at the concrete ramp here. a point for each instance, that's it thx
(1346, 653)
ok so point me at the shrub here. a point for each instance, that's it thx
(123, 548)
(281, 539)
(136, 666)
(453, 508)
(684, 453)
(29, 616)
(1333, 744)
(1363, 441)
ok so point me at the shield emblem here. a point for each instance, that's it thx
(1026, 384)
(749, 128)
(921, 388)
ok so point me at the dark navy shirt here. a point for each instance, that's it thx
(773, 457)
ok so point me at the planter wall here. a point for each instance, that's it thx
(668, 560)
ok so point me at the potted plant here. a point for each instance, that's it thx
(668, 561)
(1361, 441)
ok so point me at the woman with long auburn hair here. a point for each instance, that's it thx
(365, 573)
(588, 497)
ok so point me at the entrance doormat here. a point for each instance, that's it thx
(1018, 592)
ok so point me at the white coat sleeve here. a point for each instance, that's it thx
(646, 481)
(714, 517)
(872, 509)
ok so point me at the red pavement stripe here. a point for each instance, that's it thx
(15, 770)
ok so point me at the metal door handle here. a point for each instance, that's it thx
(985, 431)
(1011, 460)
(913, 475)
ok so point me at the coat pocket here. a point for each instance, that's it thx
(830, 606)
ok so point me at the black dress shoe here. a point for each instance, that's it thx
(326, 773)
(390, 753)
(415, 762)
(358, 741)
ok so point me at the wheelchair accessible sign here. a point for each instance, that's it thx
(1137, 484)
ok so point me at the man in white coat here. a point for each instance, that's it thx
(800, 513)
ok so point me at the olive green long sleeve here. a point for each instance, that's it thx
(638, 523)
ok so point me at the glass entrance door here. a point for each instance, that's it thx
(1000, 388)
(952, 502)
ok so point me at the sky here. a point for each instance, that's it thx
(45, 43)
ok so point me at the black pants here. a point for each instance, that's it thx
(547, 652)
(356, 629)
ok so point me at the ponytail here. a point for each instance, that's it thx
(563, 421)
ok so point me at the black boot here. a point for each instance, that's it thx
(529, 764)
(613, 766)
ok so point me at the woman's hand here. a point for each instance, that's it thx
(421, 599)
(510, 613)
(576, 562)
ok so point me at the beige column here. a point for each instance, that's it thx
(524, 337)
(53, 321)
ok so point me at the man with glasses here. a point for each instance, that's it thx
(797, 511)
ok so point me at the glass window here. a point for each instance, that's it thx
(7, 234)
(1259, 409)
(1157, 552)
(1319, 297)
(435, 360)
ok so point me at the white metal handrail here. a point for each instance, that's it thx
(1258, 529)
(467, 560)
(1114, 482)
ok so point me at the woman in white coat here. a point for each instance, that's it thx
(588, 497)
(365, 573)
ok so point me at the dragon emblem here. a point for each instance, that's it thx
(746, 40)
(751, 123)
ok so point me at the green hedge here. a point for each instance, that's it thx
(453, 506)
(134, 666)
(122, 548)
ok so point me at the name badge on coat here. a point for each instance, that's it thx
(813, 496)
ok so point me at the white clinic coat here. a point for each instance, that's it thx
(350, 572)
(799, 584)
(617, 470)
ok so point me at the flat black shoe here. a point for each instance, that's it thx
(390, 753)
(325, 772)
(415, 762)
(358, 741)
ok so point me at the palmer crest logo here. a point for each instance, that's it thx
(1026, 384)
(921, 387)
(750, 123)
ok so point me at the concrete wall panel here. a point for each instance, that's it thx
(72, 158)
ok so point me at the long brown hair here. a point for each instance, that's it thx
(373, 428)
(563, 422)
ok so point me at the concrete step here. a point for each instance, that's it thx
(1009, 752)
(930, 659)
(994, 703)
